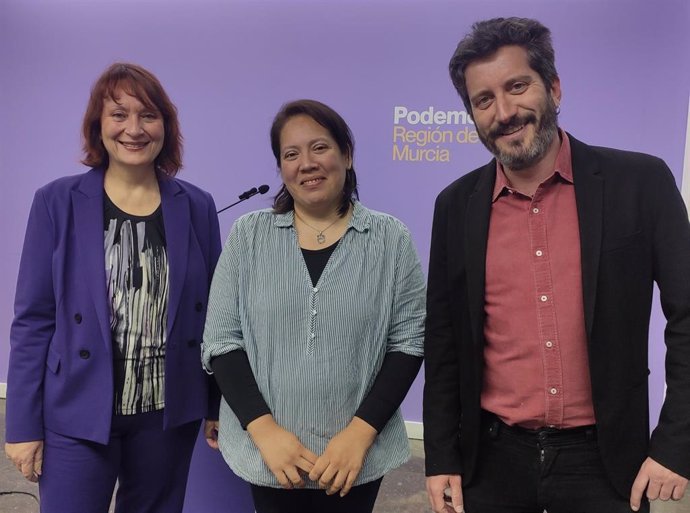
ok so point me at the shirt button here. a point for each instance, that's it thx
(313, 312)
(538, 252)
(535, 210)
(312, 335)
(315, 289)
(77, 318)
(553, 391)
(549, 343)
(543, 299)
(84, 354)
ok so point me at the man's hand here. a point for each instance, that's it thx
(282, 451)
(211, 433)
(27, 457)
(339, 465)
(660, 483)
(436, 487)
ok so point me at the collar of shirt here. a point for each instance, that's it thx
(360, 220)
(562, 168)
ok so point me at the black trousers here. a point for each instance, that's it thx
(560, 471)
(360, 499)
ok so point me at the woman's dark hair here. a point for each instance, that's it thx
(489, 35)
(144, 86)
(337, 128)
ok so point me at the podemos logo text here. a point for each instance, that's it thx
(430, 142)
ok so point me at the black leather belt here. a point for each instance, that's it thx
(543, 436)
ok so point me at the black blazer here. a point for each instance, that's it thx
(634, 231)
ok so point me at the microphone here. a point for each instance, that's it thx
(248, 194)
(262, 189)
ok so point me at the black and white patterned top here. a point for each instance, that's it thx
(136, 267)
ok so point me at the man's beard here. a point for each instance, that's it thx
(519, 157)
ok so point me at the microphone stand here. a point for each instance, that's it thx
(263, 189)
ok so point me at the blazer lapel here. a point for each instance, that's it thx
(589, 194)
(476, 235)
(87, 205)
(176, 218)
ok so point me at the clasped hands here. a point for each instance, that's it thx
(335, 470)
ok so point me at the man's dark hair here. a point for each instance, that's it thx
(489, 35)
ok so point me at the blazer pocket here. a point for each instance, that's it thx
(620, 243)
(53, 361)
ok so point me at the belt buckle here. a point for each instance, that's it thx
(546, 432)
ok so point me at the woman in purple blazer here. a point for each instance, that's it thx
(104, 377)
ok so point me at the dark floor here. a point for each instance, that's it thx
(402, 490)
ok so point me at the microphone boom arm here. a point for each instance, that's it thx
(262, 189)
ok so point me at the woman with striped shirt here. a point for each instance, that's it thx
(315, 329)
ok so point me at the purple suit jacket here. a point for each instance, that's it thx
(61, 362)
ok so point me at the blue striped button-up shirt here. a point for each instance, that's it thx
(315, 350)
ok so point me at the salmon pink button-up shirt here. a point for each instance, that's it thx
(536, 370)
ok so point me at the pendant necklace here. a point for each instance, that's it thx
(320, 237)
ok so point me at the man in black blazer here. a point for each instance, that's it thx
(540, 288)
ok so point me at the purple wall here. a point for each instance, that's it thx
(230, 64)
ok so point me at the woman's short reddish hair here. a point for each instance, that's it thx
(143, 85)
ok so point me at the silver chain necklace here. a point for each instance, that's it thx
(320, 237)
